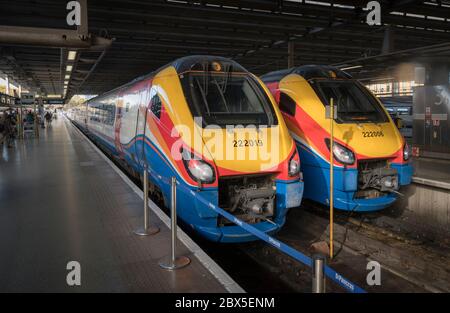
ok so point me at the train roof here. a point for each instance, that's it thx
(202, 62)
(184, 64)
(307, 72)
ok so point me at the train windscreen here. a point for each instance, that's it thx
(222, 99)
(354, 103)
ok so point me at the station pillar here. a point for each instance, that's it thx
(431, 110)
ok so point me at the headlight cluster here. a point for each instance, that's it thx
(341, 153)
(406, 152)
(294, 165)
(198, 169)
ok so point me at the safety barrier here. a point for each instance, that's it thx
(328, 271)
(146, 230)
(173, 261)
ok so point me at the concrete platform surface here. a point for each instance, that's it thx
(61, 201)
(432, 169)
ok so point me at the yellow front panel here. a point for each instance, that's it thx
(358, 136)
(221, 145)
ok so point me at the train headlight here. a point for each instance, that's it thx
(341, 153)
(198, 169)
(406, 152)
(294, 165)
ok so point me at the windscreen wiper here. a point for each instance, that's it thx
(202, 92)
(227, 77)
(221, 94)
(206, 77)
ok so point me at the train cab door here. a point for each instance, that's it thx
(118, 125)
(141, 127)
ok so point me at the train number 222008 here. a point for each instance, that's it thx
(247, 143)
(373, 134)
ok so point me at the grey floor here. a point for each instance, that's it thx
(60, 202)
(433, 169)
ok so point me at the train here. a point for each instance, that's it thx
(371, 157)
(216, 128)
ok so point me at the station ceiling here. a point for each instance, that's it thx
(148, 34)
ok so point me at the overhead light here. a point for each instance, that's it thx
(66, 82)
(351, 67)
(69, 68)
(67, 77)
(53, 96)
(384, 78)
(72, 55)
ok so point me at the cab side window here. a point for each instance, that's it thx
(155, 106)
(287, 104)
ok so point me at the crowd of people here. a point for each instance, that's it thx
(8, 127)
(9, 124)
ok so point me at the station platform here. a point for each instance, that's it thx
(432, 172)
(61, 200)
(423, 208)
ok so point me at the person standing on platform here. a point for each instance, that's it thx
(29, 118)
(9, 129)
(2, 129)
(48, 118)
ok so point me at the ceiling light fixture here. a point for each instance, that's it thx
(72, 55)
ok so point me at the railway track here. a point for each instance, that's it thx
(408, 263)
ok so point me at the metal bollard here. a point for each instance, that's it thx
(173, 262)
(147, 229)
(318, 277)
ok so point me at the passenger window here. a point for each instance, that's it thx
(155, 106)
(287, 104)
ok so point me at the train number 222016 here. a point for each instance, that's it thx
(247, 143)
(373, 134)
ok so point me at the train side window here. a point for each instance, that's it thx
(155, 106)
(287, 104)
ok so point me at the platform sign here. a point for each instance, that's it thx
(27, 98)
(55, 102)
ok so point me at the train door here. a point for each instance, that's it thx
(85, 114)
(118, 125)
(141, 127)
